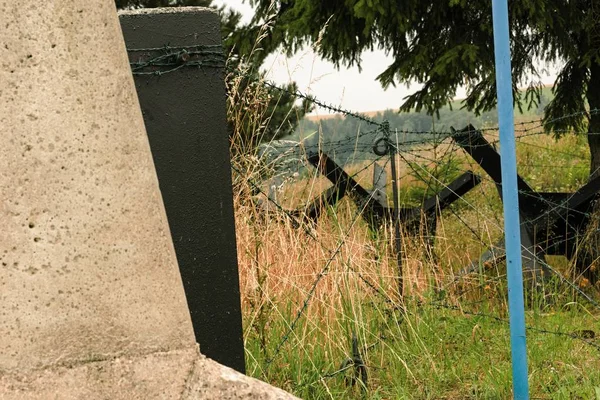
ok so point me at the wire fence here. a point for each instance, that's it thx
(427, 162)
(420, 150)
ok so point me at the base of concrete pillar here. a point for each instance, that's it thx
(181, 374)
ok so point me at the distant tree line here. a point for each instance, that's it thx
(338, 130)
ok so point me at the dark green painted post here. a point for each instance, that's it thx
(185, 116)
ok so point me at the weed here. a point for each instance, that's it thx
(449, 337)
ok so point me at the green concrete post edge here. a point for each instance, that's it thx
(185, 116)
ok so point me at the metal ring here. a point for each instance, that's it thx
(376, 148)
(183, 57)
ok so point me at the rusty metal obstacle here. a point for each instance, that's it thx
(552, 223)
(414, 219)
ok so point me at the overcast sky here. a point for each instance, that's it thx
(354, 90)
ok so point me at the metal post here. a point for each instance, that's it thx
(379, 183)
(510, 200)
(397, 233)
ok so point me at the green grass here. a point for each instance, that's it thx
(430, 352)
(451, 340)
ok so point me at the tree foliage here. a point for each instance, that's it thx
(446, 44)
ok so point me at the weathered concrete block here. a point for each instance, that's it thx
(91, 300)
(88, 269)
(184, 114)
(181, 374)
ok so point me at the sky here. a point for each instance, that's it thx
(347, 87)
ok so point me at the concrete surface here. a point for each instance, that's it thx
(88, 267)
(185, 117)
(91, 301)
(182, 374)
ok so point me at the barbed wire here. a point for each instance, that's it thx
(573, 336)
(314, 285)
(551, 209)
(160, 61)
(505, 321)
(538, 123)
(449, 134)
(523, 129)
(327, 106)
(540, 330)
(171, 59)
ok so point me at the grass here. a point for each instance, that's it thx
(449, 338)
(435, 348)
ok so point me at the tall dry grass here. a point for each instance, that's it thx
(312, 277)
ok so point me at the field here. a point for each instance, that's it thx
(309, 293)
(323, 317)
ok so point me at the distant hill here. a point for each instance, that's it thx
(456, 105)
(350, 140)
(319, 117)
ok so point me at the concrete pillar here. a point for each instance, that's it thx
(84, 231)
(91, 300)
(184, 112)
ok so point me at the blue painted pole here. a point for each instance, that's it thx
(510, 197)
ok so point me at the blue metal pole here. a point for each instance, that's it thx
(510, 197)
